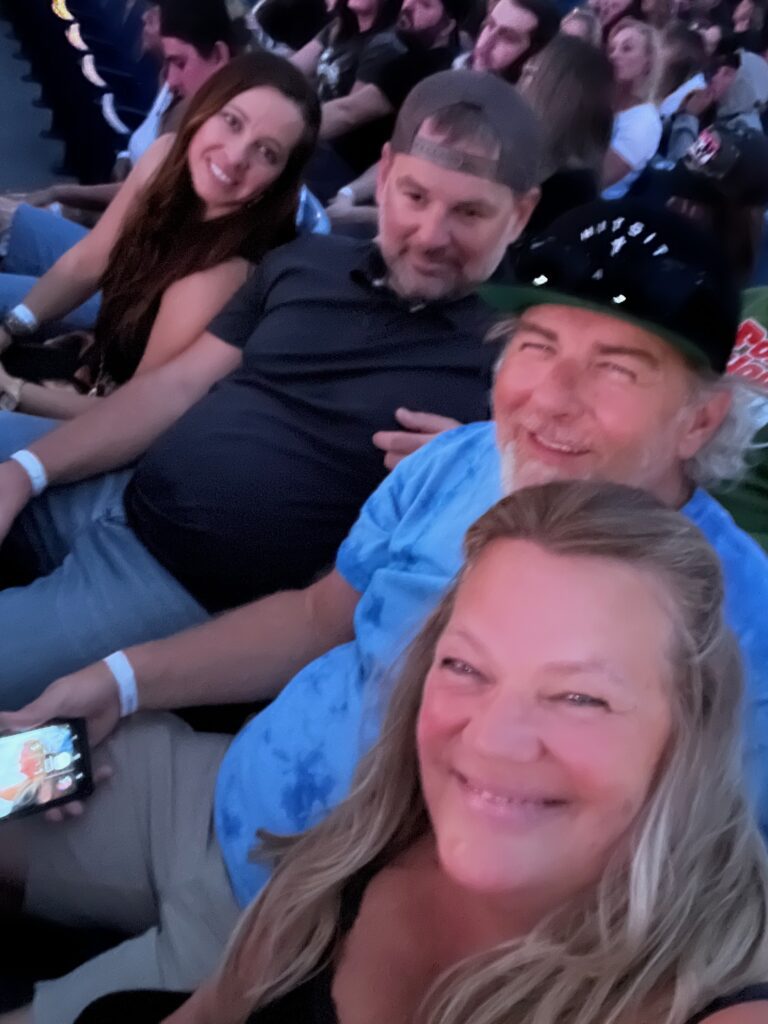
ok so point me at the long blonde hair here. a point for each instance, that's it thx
(681, 921)
(646, 89)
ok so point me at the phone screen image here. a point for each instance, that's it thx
(42, 767)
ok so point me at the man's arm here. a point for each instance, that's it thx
(248, 654)
(365, 103)
(363, 189)
(126, 423)
(84, 197)
(308, 57)
(122, 426)
(244, 656)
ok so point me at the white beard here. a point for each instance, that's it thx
(532, 474)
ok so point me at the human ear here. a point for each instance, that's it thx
(385, 165)
(523, 206)
(706, 418)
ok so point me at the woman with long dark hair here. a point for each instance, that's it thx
(570, 87)
(177, 241)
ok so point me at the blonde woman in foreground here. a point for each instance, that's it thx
(552, 827)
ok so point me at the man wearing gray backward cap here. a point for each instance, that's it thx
(250, 491)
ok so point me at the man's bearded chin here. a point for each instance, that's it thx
(404, 29)
(515, 477)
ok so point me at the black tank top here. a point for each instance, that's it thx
(310, 1003)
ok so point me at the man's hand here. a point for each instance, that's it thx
(420, 427)
(341, 209)
(90, 693)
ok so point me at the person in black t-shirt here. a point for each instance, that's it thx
(251, 487)
(357, 123)
(332, 57)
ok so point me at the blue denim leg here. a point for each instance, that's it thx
(37, 239)
(102, 590)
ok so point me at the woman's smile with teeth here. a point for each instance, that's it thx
(220, 175)
(517, 806)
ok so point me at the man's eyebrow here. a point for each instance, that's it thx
(628, 350)
(406, 181)
(478, 203)
(534, 328)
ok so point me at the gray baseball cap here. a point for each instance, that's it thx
(519, 164)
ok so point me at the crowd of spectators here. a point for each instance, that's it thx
(383, 480)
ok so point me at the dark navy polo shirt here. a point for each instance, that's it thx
(255, 487)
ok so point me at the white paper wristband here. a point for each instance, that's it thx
(25, 316)
(34, 469)
(125, 678)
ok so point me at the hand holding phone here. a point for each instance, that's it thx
(91, 693)
(44, 767)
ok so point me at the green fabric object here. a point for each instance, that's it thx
(747, 501)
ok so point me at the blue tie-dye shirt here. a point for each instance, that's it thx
(294, 761)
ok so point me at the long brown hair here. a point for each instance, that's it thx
(166, 238)
(678, 920)
(571, 90)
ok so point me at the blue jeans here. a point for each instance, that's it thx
(97, 587)
(37, 239)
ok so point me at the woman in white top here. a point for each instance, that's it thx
(633, 50)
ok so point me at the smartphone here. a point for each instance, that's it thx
(44, 767)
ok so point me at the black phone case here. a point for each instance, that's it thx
(85, 789)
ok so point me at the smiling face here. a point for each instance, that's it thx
(504, 38)
(628, 53)
(543, 719)
(236, 154)
(442, 232)
(585, 396)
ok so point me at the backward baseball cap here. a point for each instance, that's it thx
(519, 163)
